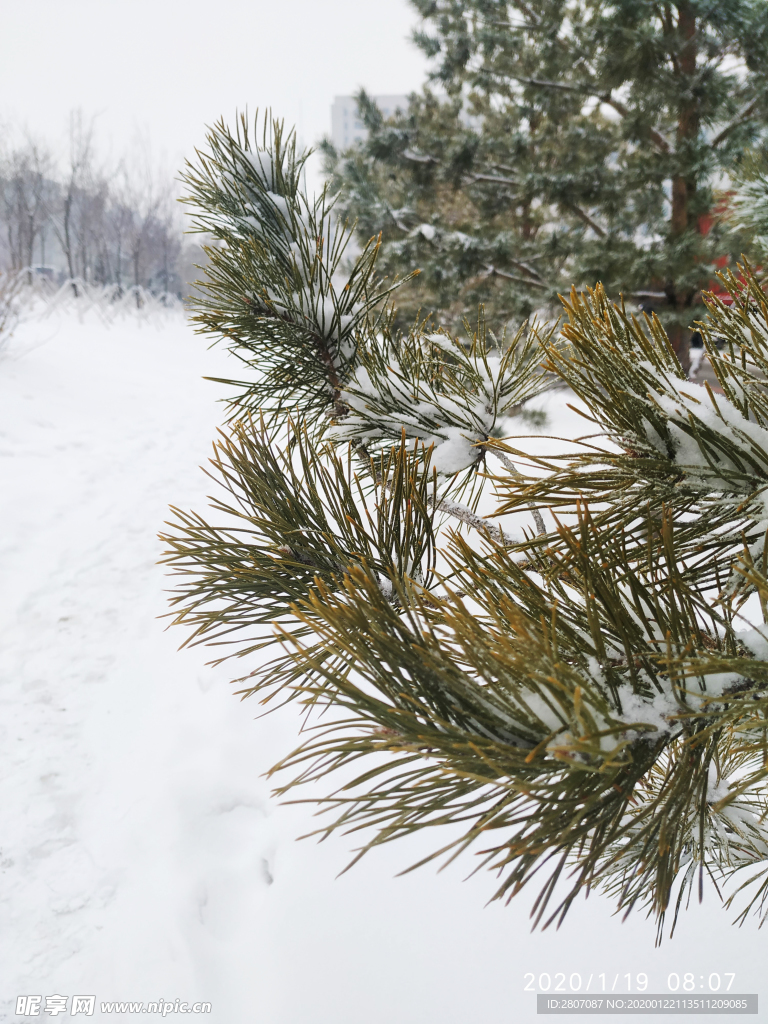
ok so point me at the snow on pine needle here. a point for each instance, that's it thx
(451, 395)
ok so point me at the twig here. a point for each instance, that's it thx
(452, 508)
(510, 467)
(465, 514)
(493, 178)
(492, 271)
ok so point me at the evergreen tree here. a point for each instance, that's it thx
(578, 141)
(561, 663)
(750, 204)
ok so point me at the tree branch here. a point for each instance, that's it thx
(492, 178)
(585, 218)
(492, 271)
(605, 97)
(465, 515)
(654, 134)
(321, 346)
(510, 467)
(452, 508)
(528, 270)
(742, 117)
(418, 158)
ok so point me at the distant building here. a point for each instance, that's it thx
(346, 126)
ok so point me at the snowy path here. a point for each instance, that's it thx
(141, 856)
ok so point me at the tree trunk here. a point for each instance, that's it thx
(30, 256)
(68, 239)
(136, 257)
(684, 187)
(680, 339)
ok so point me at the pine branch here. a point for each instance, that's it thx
(742, 116)
(656, 137)
(585, 218)
(274, 289)
(431, 387)
(579, 701)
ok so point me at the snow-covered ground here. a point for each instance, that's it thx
(141, 855)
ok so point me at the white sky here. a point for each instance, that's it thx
(162, 69)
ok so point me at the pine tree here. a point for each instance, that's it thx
(578, 142)
(556, 654)
(750, 204)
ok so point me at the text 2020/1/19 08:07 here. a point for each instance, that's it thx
(605, 982)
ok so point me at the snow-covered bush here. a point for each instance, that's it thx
(556, 652)
(42, 298)
(108, 302)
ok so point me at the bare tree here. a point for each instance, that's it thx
(26, 186)
(147, 195)
(110, 228)
(74, 189)
(118, 225)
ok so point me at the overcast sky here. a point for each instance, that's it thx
(162, 69)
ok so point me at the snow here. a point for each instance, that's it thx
(720, 416)
(545, 713)
(716, 790)
(656, 712)
(279, 202)
(455, 453)
(756, 641)
(261, 161)
(425, 230)
(141, 853)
